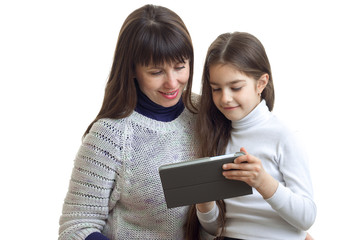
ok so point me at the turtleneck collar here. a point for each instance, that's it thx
(155, 111)
(257, 116)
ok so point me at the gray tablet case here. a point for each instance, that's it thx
(200, 180)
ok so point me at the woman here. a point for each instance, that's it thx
(145, 121)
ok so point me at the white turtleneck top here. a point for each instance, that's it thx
(291, 210)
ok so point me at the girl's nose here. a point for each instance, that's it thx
(226, 97)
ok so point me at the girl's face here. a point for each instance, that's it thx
(163, 84)
(234, 93)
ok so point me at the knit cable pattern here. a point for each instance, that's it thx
(115, 186)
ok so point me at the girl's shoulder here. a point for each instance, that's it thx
(278, 128)
(285, 133)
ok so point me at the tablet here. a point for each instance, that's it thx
(200, 180)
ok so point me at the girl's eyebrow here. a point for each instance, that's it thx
(229, 83)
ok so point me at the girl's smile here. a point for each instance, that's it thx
(230, 108)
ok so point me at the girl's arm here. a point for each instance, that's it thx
(293, 200)
(208, 214)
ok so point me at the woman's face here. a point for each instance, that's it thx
(163, 84)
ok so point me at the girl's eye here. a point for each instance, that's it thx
(215, 89)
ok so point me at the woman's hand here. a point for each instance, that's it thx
(249, 169)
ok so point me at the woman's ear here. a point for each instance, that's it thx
(262, 82)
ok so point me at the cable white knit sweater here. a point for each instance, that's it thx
(115, 186)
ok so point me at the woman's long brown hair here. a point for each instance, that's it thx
(246, 53)
(149, 35)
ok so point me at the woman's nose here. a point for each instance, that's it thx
(170, 81)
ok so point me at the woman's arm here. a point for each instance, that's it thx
(86, 205)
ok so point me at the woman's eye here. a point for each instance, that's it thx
(236, 89)
(180, 67)
(156, 73)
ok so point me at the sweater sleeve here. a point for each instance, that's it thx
(86, 206)
(293, 200)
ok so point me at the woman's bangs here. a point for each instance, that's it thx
(163, 47)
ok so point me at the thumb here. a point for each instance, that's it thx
(243, 150)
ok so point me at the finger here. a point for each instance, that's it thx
(243, 150)
(239, 175)
(242, 159)
(235, 166)
(236, 175)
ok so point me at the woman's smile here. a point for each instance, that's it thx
(170, 95)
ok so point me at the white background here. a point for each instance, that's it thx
(55, 58)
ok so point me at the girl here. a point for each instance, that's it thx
(145, 121)
(236, 104)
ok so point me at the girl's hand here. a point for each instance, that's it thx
(205, 207)
(249, 169)
(309, 237)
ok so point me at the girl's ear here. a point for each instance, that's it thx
(262, 82)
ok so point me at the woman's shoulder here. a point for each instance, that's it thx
(107, 126)
(195, 100)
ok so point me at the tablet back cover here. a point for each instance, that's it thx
(200, 180)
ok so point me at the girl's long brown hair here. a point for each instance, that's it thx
(149, 35)
(246, 53)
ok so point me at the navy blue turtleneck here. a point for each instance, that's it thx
(155, 111)
(96, 236)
